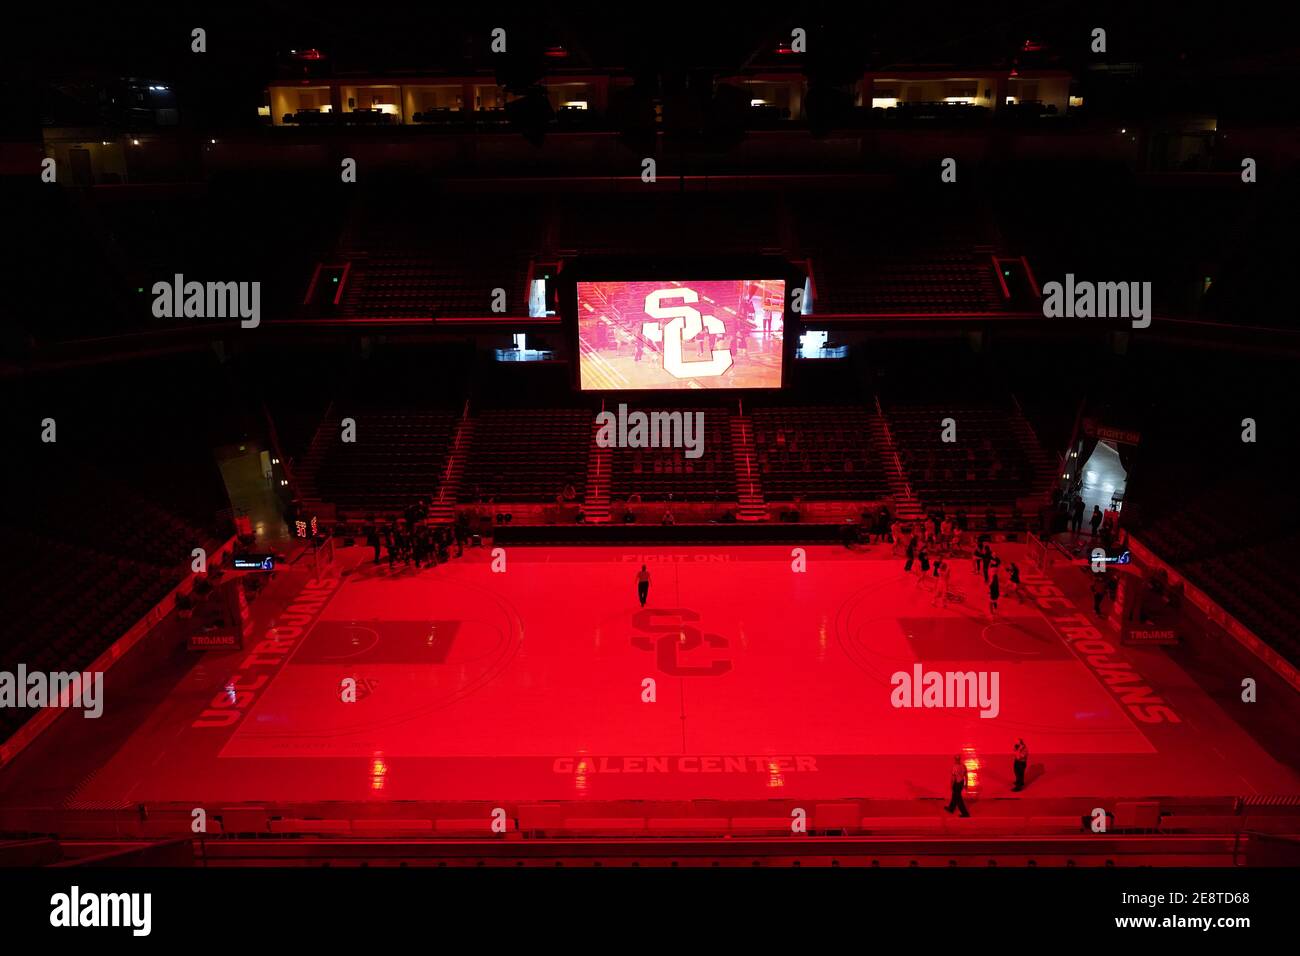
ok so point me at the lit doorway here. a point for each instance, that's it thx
(1104, 479)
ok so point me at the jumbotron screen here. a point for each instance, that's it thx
(716, 333)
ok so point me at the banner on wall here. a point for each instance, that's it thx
(1150, 635)
(1123, 436)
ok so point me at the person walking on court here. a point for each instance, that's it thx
(1076, 514)
(1020, 763)
(924, 557)
(911, 553)
(958, 785)
(1097, 519)
(643, 585)
(942, 570)
(994, 590)
(1013, 576)
(1098, 593)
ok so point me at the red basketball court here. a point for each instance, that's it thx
(528, 683)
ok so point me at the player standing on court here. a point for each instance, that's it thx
(1020, 763)
(643, 584)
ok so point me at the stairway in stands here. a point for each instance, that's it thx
(595, 503)
(749, 483)
(442, 510)
(1047, 467)
(984, 256)
(306, 470)
(907, 507)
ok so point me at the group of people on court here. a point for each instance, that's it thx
(1019, 763)
(917, 545)
(411, 538)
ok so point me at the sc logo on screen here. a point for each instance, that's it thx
(683, 325)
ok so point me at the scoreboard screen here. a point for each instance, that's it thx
(661, 334)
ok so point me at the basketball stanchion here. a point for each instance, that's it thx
(322, 555)
(1037, 552)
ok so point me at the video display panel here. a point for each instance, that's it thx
(662, 334)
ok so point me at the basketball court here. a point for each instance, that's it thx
(752, 673)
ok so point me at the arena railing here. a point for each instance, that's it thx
(451, 454)
(41, 721)
(1242, 634)
(889, 435)
(745, 436)
(1046, 818)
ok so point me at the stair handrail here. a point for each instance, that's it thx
(316, 440)
(744, 435)
(749, 464)
(598, 455)
(451, 459)
(893, 448)
(592, 494)
(1025, 423)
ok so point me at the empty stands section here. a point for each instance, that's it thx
(102, 523)
(933, 259)
(529, 455)
(1238, 555)
(661, 474)
(411, 255)
(993, 458)
(400, 460)
(818, 453)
